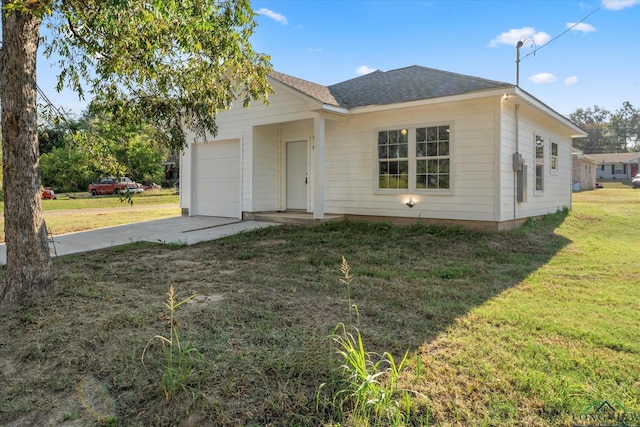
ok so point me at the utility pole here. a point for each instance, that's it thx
(518, 46)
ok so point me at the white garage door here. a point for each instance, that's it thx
(217, 183)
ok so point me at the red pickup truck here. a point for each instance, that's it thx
(111, 185)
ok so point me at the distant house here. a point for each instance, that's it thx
(583, 173)
(412, 144)
(616, 165)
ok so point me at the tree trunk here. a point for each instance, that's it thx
(29, 271)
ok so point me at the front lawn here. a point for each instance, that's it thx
(537, 326)
(80, 211)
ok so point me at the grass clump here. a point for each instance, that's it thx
(367, 392)
(178, 357)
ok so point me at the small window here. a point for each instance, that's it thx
(539, 149)
(554, 157)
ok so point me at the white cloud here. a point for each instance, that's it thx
(573, 80)
(364, 69)
(543, 78)
(619, 4)
(585, 28)
(514, 35)
(273, 15)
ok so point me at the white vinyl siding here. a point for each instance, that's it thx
(352, 170)
(481, 177)
(557, 186)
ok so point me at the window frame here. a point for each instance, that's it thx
(397, 159)
(429, 159)
(539, 162)
(413, 160)
(554, 158)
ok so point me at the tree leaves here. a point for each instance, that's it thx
(608, 132)
(174, 64)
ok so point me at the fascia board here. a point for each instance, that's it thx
(577, 131)
(432, 101)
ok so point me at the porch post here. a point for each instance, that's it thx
(318, 167)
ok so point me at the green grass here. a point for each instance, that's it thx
(86, 201)
(80, 211)
(526, 327)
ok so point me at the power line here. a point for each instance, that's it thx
(564, 32)
(47, 101)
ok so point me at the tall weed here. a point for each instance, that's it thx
(178, 357)
(367, 391)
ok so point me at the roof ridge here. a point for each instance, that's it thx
(411, 83)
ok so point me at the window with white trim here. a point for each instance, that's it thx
(415, 159)
(432, 158)
(539, 150)
(554, 157)
(393, 159)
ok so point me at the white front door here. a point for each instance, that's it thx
(297, 175)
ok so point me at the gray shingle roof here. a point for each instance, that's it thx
(314, 90)
(390, 87)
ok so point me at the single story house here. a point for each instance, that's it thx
(412, 144)
(584, 171)
(616, 165)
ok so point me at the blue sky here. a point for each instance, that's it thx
(597, 62)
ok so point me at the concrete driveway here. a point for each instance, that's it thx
(181, 229)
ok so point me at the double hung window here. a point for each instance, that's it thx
(539, 150)
(393, 159)
(432, 158)
(415, 159)
(554, 157)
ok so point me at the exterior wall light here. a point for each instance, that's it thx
(505, 96)
(410, 203)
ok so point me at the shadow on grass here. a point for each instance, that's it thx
(268, 301)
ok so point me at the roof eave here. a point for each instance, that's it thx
(577, 131)
(334, 110)
(430, 101)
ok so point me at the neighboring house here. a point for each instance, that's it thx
(584, 171)
(404, 145)
(616, 165)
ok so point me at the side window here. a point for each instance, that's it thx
(539, 150)
(554, 157)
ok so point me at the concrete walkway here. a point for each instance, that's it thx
(181, 229)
